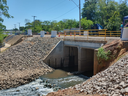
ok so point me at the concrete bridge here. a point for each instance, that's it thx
(77, 55)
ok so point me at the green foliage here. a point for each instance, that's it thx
(114, 22)
(52, 25)
(3, 11)
(108, 13)
(86, 23)
(2, 27)
(89, 9)
(123, 9)
(102, 55)
(2, 36)
(22, 28)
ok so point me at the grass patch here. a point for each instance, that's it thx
(2, 37)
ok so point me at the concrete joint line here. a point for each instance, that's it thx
(52, 50)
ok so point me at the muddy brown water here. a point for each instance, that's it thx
(56, 74)
(44, 84)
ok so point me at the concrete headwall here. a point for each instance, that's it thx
(55, 58)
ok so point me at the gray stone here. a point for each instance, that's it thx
(126, 89)
(122, 90)
(115, 95)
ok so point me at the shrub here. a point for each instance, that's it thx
(102, 55)
(2, 36)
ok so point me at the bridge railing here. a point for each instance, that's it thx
(90, 33)
(113, 33)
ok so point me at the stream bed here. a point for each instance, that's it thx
(45, 84)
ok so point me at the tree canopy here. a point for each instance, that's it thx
(59, 26)
(107, 13)
(3, 11)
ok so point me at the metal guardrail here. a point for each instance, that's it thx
(90, 33)
(113, 33)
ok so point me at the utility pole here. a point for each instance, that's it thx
(15, 28)
(79, 6)
(79, 15)
(19, 27)
(34, 22)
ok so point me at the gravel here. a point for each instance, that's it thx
(111, 82)
(23, 62)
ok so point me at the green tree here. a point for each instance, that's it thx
(89, 9)
(86, 24)
(3, 11)
(123, 10)
(22, 28)
(114, 22)
(71, 24)
(46, 26)
(15, 29)
(107, 13)
(38, 26)
(2, 27)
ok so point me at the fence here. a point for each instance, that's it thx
(91, 33)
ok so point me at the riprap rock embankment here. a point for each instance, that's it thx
(23, 62)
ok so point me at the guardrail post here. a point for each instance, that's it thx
(74, 35)
(64, 35)
(87, 34)
(80, 33)
(59, 34)
(105, 35)
(110, 33)
(70, 34)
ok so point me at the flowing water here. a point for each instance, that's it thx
(50, 82)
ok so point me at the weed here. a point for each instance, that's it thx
(102, 55)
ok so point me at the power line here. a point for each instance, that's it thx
(65, 13)
(75, 3)
(55, 5)
(19, 25)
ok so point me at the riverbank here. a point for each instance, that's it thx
(23, 63)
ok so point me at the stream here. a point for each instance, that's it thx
(58, 79)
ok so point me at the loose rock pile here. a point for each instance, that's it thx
(23, 63)
(111, 82)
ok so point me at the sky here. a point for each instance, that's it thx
(42, 9)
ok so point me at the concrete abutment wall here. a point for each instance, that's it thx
(70, 58)
(86, 59)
